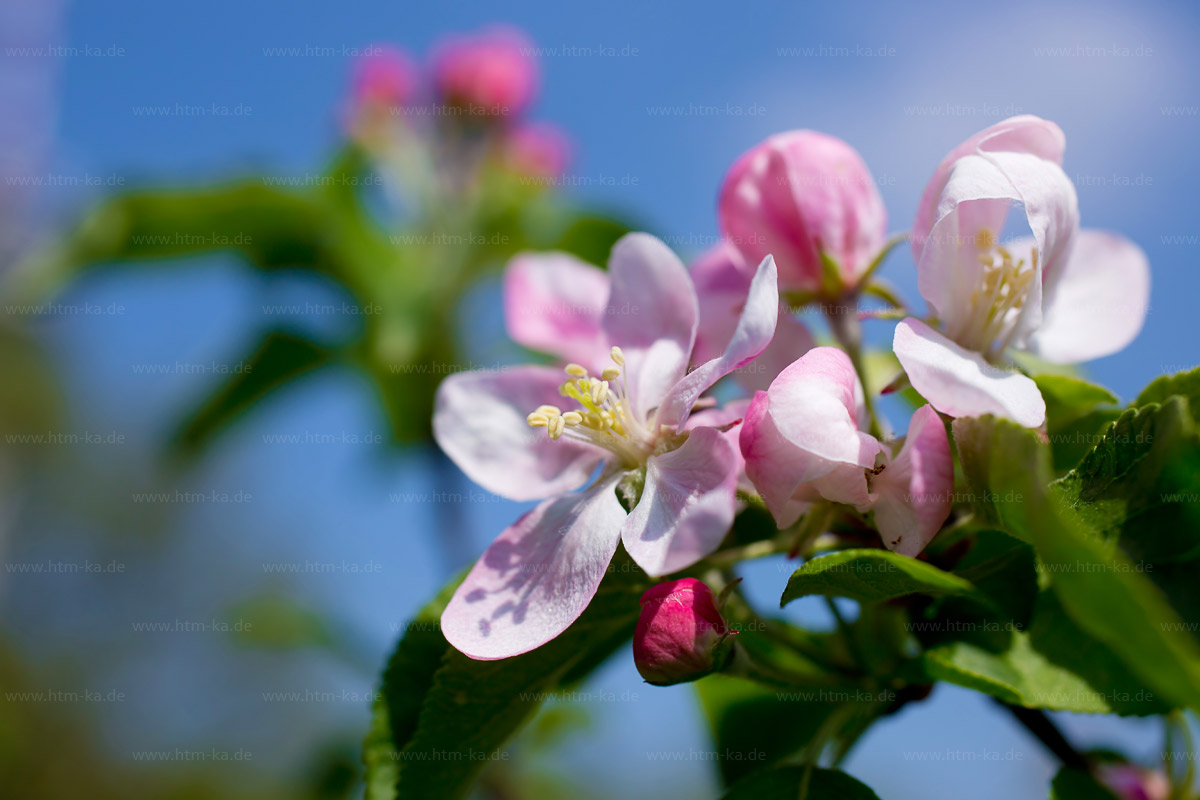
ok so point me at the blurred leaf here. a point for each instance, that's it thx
(872, 576)
(30, 403)
(754, 727)
(1054, 665)
(791, 783)
(1099, 589)
(591, 237)
(281, 357)
(443, 716)
(1074, 784)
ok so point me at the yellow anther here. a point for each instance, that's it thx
(576, 371)
(610, 373)
(985, 240)
(556, 426)
(617, 356)
(572, 418)
(537, 420)
(549, 411)
(599, 391)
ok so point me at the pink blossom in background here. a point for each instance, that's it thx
(493, 70)
(538, 148)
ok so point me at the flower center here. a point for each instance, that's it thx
(603, 415)
(997, 303)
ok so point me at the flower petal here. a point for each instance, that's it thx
(687, 504)
(914, 493)
(792, 339)
(959, 382)
(537, 577)
(753, 333)
(652, 316)
(479, 421)
(1098, 303)
(553, 303)
(772, 463)
(814, 404)
(722, 281)
(1021, 134)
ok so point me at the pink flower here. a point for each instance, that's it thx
(678, 632)
(539, 149)
(387, 77)
(628, 422)
(1063, 294)
(722, 281)
(801, 440)
(1131, 782)
(799, 196)
(492, 71)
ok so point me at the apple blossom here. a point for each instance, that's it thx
(1063, 294)
(1131, 782)
(804, 197)
(679, 633)
(802, 442)
(722, 280)
(539, 149)
(630, 430)
(491, 71)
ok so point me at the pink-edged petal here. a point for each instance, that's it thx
(726, 419)
(687, 504)
(652, 315)
(753, 333)
(814, 405)
(1021, 134)
(958, 382)
(846, 483)
(792, 339)
(554, 303)
(915, 492)
(722, 281)
(479, 421)
(772, 463)
(1098, 303)
(537, 577)
(978, 191)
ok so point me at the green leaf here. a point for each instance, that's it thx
(591, 237)
(1186, 384)
(1074, 784)
(280, 358)
(800, 783)
(1099, 588)
(1141, 484)
(754, 727)
(1076, 413)
(872, 576)
(1053, 665)
(437, 725)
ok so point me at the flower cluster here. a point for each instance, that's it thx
(622, 442)
(473, 104)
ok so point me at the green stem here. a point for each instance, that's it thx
(876, 262)
(847, 633)
(844, 325)
(769, 547)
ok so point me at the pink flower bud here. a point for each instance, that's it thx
(387, 77)
(490, 73)
(800, 194)
(539, 149)
(1131, 782)
(678, 633)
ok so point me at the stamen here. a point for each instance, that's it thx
(1004, 285)
(618, 357)
(576, 371)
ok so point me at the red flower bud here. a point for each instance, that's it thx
(678, 635)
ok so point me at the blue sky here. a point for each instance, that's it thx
(1123, 80)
